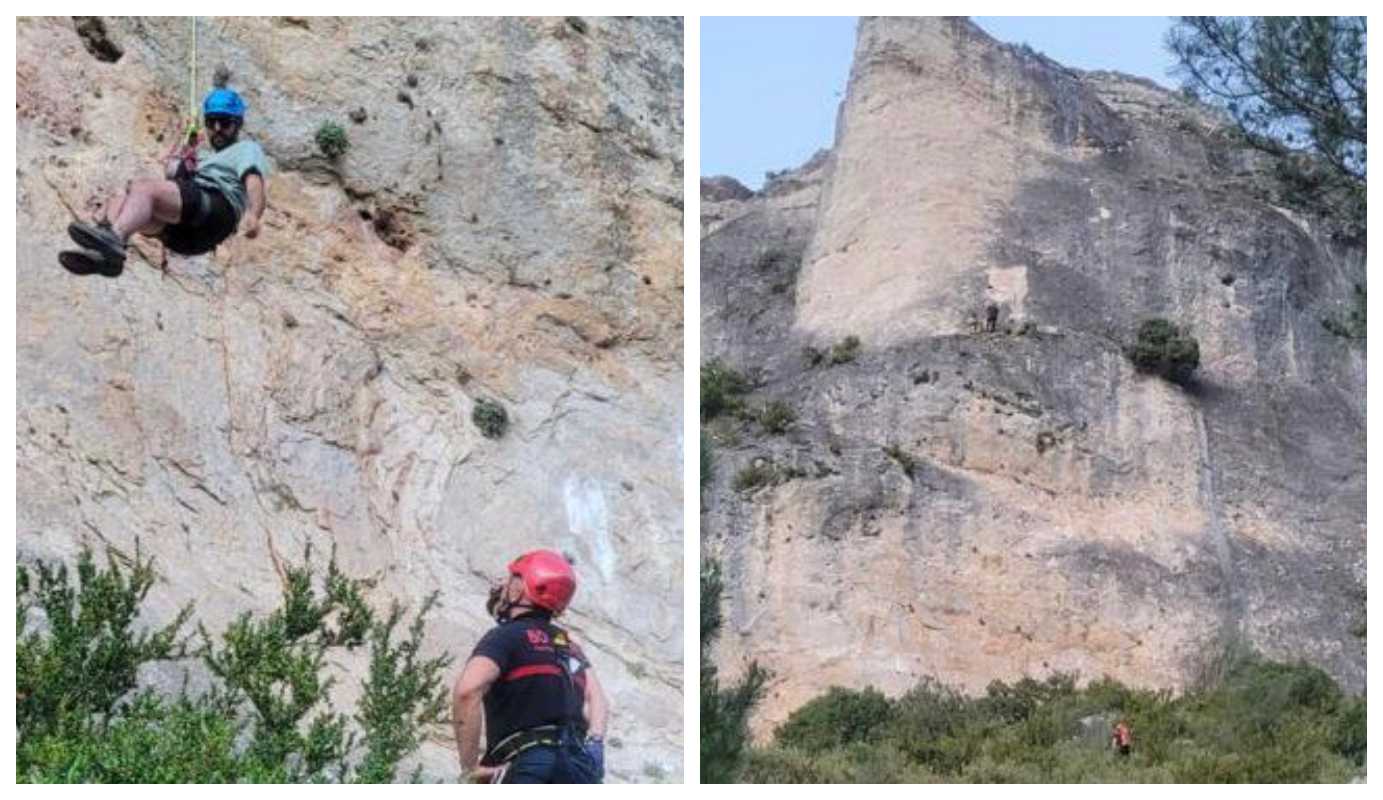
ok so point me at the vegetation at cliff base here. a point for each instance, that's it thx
(86, 710)
(1253, 721)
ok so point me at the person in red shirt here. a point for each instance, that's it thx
(1122, 738)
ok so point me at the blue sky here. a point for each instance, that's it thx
(770, 85)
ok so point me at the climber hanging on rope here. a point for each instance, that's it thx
(204, 197)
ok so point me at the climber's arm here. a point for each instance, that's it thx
(597, 706)
(467, 708)
(254, 189)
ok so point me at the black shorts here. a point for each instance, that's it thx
(207, 220)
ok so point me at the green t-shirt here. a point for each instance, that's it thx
(225, 171)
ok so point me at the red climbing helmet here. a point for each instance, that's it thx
(547, 577)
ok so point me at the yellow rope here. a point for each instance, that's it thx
(192, 86)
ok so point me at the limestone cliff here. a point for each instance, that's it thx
(975, 505)
(506, 225)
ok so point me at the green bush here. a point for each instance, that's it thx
(846, 350)
(721, 389)
(82, 658)
(268, 716)
(1350, 737)
(929, 722)
(1166, 350)
(776, 417)
(331, 140)
(1016, 702)
(490, 418)
(840, 717)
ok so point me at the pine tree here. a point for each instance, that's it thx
(724, 712)
(1297, 87)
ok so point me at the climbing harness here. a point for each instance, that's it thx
(509, 748)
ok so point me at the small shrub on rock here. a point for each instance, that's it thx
(905, 459)
(1166, 350)
(1353, 325)
(846, 350)
(331, 140)
(721, 389)
(776, 417)
(753, 476)
(490, 418)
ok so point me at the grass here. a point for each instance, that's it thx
(1255, 721)
(845, 351)
(722, 389)
(760, 473)
(776, 417)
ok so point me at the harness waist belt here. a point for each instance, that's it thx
(506, 749)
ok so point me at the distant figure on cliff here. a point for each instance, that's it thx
(1122, 738)
(544, 711)
(202, 199)
(991, 317)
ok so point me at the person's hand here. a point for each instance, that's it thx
(480, 774)
(595, 748)
(249, 226)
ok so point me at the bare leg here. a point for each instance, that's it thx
(113, 206)
(147, 207)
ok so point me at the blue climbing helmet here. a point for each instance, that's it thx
(223, 102)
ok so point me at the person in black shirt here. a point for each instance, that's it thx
(544, 711)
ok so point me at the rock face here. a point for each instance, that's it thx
(977, 505)
(506, 226)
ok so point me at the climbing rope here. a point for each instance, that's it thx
(192, 83)
(185, 148)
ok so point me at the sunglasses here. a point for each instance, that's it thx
(221, 122)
